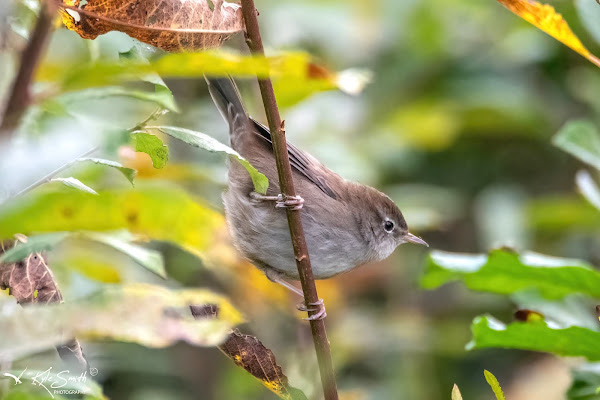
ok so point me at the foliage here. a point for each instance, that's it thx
(462, 99)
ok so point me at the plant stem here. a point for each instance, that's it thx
(20, 92)
(286, 185)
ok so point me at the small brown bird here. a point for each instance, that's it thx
(346, 224)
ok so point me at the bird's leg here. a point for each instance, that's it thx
(293, 202)
(274, 276)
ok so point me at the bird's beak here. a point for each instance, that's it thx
(409, 237)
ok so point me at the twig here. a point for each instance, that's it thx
(20, 96)
(286, 185)
(52, 174)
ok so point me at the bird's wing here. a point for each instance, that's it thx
(302, 162)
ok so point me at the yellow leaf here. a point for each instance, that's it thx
(544, 17)
(158, 211)
(149, 315)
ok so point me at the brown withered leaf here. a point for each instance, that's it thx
(248, 352)
(31, 281)
(172, 25)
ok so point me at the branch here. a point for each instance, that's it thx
(286, 185)
(19, 96)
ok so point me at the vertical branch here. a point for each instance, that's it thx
(19, 96)
(286, 185)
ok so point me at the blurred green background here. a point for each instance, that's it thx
(455, 126)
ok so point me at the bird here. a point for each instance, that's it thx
(346, 224)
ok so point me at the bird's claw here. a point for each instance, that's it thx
(281, 201)
(291, 202)
(319, 310)
(258, 198)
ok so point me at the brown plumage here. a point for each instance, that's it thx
(346, 224)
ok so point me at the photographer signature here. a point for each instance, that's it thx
(49, 380)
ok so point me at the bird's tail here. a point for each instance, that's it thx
(227, 98)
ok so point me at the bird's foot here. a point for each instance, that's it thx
(259, 198)
(291, 202)
(281, 201)
(318, 308)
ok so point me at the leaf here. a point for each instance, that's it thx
(559, 213)
(161, 96)
(580, 139)
(296, 67)
(247, 352)
(152, 316)
(129, 173)
(34, 244)
(351, 81)
(588, 187)
(75, 184)
(203, 141)
(159, 211)
(589, 14)
(544, 17)
(149, 259)
(172, 25)
(505, 272)
(573, 341)
(456, 393)
(494, 384)
(153, 146)
(30, 280)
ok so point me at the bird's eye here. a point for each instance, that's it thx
(388, 226)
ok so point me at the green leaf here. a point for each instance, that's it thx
(149, 315)
(158, 211)
(149, 259)
(75, 184)
(456, 393)
(494, 384)
(573, 341)
(203, 141)
(505, 271)
(582, 140)
(557, 214)
(129, 173)
(153, 146)
(120, 241)
(34, 244)
(588, 188)
(161, 90)
(161, 96)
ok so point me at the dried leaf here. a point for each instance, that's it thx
(172, 25)
(30, 280)
(544, 17)
(248, 352)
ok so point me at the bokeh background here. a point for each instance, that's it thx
(455, 126)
